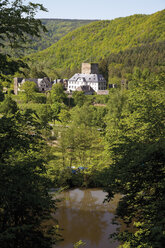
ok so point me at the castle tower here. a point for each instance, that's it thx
(89, 68)
(17, 82)
(16, 86)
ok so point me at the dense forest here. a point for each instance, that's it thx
(119, 145)
(114, 142)
(98, 40)
(55, 30)
(121, 65)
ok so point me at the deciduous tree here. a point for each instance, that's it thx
(17, 27)
(25, 203)
(57, 93)
(135, 142)
(29, 88)
(79, 98)
(8, 106)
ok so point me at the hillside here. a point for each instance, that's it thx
(119, 65)
(99, 39)
(57, 28)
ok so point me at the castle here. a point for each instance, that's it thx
(89, 81)
(88, 78)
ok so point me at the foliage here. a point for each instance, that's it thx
(25, 204)
(8, 106)
(64, 116)
(36, 73)
(18, 26)
(45, 114)
(135, 144)
(9, 66)
(80, 243)
(78, 151)
(56, 29)
(122, 64)
(96, 99)
(57, 93)
(79, 98)
(88, 115)
(56, 108)
(81, 148)
(39, 98)
(29, 88)
(97, 40)
(1, 96)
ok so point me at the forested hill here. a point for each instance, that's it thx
(99, 39)
(57, 28)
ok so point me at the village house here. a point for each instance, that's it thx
(42, 84)
(88, 81)
(88, 77)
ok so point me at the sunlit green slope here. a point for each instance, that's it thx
(57, 28)
(101, 38)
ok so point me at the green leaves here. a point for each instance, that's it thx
(17, 27)
(135, 143)
(8, 106)
(29, 88)
(79, 98)
(17, 21)
(24, 200)
(79, 244)
(107, 41)
(57, 93)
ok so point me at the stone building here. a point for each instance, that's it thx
(64, 82)
(86, 89)
(42, 84)
(89, 76)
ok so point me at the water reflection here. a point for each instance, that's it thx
(83, 215)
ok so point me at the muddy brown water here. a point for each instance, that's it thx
(83, 216)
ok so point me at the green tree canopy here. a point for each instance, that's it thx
(135, 143)
(8, 106)
(137, 40)
(79, 98)
(1, 93)
(29, 88)
(57, 93)
(17, 27)
(56, 108)
(25, 203)
(88, 115)
(45, 114)
(64, 116)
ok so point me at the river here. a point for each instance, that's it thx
(83, 216)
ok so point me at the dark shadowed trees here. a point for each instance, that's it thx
(25, 205)
(8, 106)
